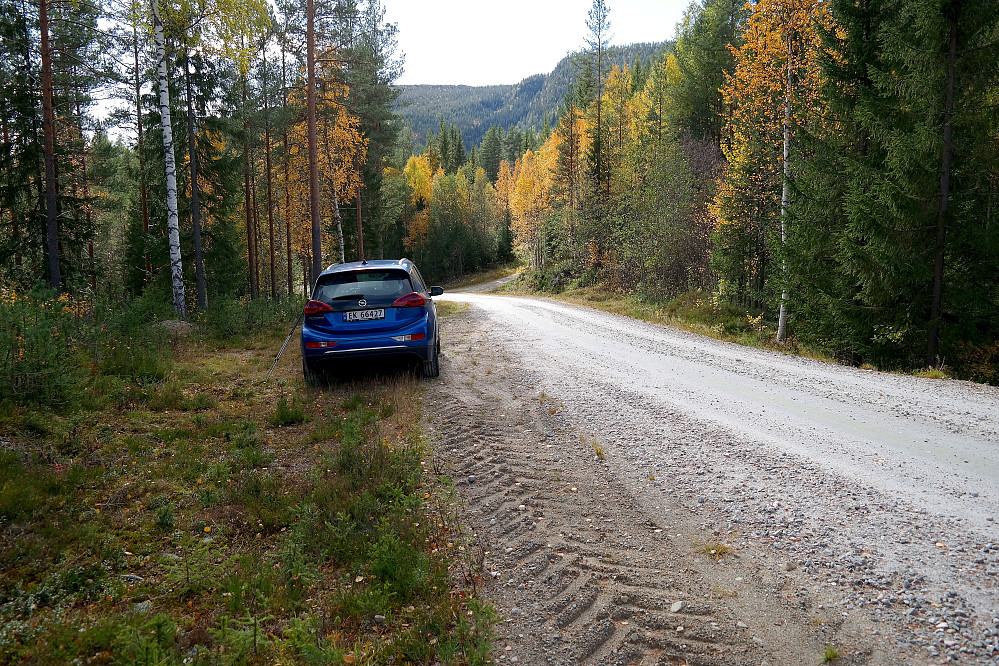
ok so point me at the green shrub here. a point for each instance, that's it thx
(288, 414)
(57, 344)
(232, 319)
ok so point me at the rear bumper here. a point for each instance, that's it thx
(379, 345)
(318, 358)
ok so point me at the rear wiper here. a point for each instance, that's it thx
(347, 297)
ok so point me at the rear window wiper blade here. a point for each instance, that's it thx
(347, 297)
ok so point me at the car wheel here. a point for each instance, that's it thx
(311, 377)
(432, 367)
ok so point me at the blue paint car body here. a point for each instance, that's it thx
(367, 310)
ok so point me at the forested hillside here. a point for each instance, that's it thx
(811, 172)
(473, 109)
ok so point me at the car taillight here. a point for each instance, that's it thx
(316, 307)
(408, 338)
(413, 300)
(320, 345)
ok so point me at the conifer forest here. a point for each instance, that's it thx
(827, 167)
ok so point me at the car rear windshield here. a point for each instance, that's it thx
(377, 288)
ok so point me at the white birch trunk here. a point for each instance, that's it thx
(785, 197)
(173, 219)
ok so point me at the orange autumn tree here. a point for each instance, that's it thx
(573, 139)
(530, 200)
(341, 148)
(620, 115)
(419, 174)
(774, 87)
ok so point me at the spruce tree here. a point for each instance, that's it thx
(491, 152)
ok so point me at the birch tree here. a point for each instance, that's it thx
(170, 165)
(224, 23)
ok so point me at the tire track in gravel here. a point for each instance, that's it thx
(578, 566)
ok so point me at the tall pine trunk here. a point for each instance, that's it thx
(310, 102)
(360, 228)
(48, 133)
(267, 166)
(287, 186)
(936, 306)
(192, 147)
(173, 219)
(143, 190)
(247, 202)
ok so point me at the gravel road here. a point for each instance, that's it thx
(642, 495)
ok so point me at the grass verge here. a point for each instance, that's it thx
(202, 514)
(695, 312)
(485, 276)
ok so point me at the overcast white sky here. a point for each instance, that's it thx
(483, 42)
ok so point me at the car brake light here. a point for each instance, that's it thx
(413, 300)
(317, 307)
(407, 338)
(320, 345)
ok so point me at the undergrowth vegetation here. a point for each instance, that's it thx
(162, 501)
(694, 311)
(710, 314)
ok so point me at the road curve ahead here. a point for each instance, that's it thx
(932, 443)
(837, 470)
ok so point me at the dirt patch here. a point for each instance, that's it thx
(586, 566)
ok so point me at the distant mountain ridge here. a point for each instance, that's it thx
(473, 109)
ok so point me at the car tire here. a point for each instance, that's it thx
(432, 366)
(310, 375)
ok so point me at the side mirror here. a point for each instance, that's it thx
(436, 291)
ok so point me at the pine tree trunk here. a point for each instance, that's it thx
(247, 205)
(48, 132)
(88, 217)
(143, 190)
(287, 216)
(192, 147)
(360, 229)
(173, 220)
(936, 307)
(256, 227)
(310, 102)
(287, 175)
(267, 166)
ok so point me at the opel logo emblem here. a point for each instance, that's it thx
(362, 303)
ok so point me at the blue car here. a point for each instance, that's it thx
(370, 309)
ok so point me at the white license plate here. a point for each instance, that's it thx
(363, 315)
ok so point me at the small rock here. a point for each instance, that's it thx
(471, 478)
(379, 619)
(679, 629)
(676, 607)
(742, 625)
(143, 607)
